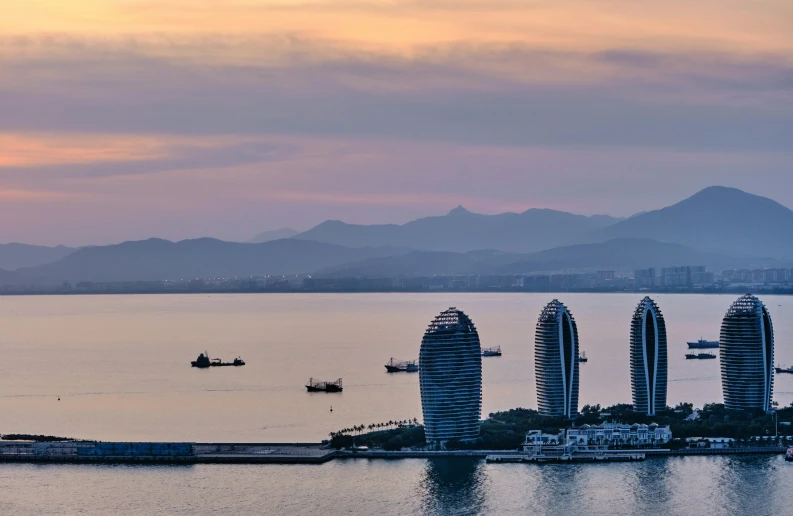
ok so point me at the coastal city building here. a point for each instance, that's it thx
(450, 378)
(746, 350)
(556, 361)
(648, 358)
(604, 434)
(618, 434)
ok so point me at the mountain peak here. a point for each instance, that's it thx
(459, 210)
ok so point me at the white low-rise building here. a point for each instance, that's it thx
(538, 438)
(620, 434)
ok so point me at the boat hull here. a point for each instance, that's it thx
(311, 388)
(704, 344)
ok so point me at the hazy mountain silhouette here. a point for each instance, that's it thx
(13, 256)
(615, 254)
(275, 234)
(156, 259)
(461, 231)
(716, 219)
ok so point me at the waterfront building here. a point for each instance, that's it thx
(620, 434)
(746, 351)
(450, 378)
(604, 434)
(643, 278)
(648, 358)
(555, 361)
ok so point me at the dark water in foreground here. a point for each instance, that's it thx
(758, 486)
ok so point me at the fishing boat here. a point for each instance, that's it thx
(318, 386)
(703, 344)
(582, 357)
(492, 352)
(779, 369)
(700, 356)
(401, 366)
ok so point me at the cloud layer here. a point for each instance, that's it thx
(229, 118)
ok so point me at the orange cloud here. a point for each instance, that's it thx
(403, 25)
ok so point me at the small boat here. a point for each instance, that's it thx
(492, 352)
(401, 366)
(788, 370)
(703, 344)
(789, 455)
(317, 386)
(700, 356)
(582, 357)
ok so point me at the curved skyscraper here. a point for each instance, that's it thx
(648, 358)
(450, 377)
(746, 348)
(556, 361)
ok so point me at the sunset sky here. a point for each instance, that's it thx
(127, 119)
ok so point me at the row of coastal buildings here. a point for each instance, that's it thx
(450, 374)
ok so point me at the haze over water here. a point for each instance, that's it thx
(120, 364)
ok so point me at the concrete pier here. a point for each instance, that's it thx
(87, 452)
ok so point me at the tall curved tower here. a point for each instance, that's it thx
(648, 358)
(450, 378)
(555, 361)
(746, 350)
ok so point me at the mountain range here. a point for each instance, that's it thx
(13, 256)
(157, 259)
(461, 231)
(718, 227)
(621, 253)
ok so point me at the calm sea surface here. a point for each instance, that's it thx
(120, 365)
(722, 485)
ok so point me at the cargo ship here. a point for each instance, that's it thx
(317, 386)
(204, 361)
(703, 344)
(401, 366)
(788, 370)
(492, 352)
(700, 356)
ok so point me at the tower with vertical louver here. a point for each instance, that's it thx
(746, 349)
(648, 358)
(450, 378)
(556, 361)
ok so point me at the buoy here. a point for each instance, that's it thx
(331, 407)
(59, 398)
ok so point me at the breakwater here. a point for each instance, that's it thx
(88, 452)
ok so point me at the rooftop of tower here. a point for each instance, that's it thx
(451, 320)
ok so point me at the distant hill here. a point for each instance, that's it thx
(621, 253)
(13, 256)
(614, 254)
(275, 234)
(461, 231)
(424, 263)
(156, 259)
(716, 219)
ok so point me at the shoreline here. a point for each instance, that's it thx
(312, 454)
(55, 291)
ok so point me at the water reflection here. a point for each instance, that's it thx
(454, 486)
(745, 486)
